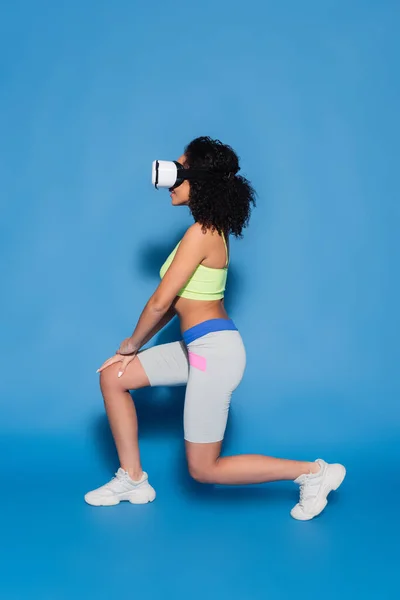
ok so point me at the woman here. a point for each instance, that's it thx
(210, 360)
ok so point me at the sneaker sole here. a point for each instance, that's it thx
(336, 476)
(132, 498)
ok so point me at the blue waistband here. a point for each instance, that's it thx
(207, 327)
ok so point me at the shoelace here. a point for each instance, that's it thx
(306, 487)
(117, 482)
(302, 493)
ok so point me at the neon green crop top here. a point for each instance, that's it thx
(206, 283)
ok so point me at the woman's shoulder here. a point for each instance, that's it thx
(198, 231)
(204, 239)
(196, 227)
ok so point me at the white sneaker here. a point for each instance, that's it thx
(314, 490)
(122, 487)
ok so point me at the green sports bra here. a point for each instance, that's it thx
(206, 283)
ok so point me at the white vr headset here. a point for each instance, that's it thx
(170, 174)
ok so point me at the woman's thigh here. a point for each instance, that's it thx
(165, 364)
(217, 363)
(206, 409)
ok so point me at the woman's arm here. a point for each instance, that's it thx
(189, 255)
(169, 315)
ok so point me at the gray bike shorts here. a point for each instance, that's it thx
(211, 365)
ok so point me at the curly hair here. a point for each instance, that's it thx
(223, 201)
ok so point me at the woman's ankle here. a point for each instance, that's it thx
(135, 473)
(314, 467)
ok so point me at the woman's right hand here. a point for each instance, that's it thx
(124, 360)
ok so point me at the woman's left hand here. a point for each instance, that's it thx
(127, 347)
(117, 358)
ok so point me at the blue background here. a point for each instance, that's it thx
(307, 93)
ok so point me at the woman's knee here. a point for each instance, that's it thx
(201, 472)
(202, 459)
(133, 378)
(109, 377)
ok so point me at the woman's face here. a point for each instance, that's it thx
(180, 195)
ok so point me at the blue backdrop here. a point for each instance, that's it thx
(307, 93)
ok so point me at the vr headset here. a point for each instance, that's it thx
(171, 174)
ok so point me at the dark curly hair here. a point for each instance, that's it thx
(224, 201)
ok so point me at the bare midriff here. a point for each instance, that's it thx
(193, 312)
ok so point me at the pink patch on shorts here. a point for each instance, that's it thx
(197, 361)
